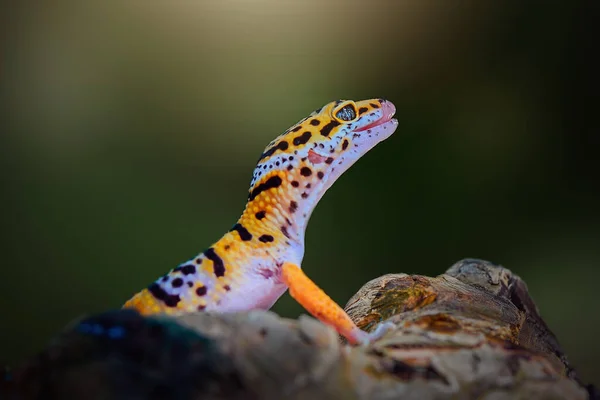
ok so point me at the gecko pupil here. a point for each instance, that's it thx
(346, 113)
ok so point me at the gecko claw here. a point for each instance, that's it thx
(365, 338)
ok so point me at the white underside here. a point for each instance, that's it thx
(258, 293)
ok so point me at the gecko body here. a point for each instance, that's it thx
(254, 263)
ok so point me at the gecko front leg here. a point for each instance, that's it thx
(321, 306)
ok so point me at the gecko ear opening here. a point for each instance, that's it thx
(315, 158)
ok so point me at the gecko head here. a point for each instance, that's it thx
(348, 130)
(304, 161)
(329, 140)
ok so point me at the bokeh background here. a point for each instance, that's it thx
(130, 131)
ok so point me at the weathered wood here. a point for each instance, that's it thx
(471, 333)
(475, 330)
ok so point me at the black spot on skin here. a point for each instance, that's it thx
(198, 260)
(227, 288)
(244, 234)
(291, 158)
(283, 145)
(345, 144)
(165, 278)
(305, 171)
(285, 232)
(201, 308)
(302, 139)
(272, 182)
(304, 195)
(201, 290)
(177, 282)
(190, 284)
(326, 130)
(260, 215)
(303, 158)
(296, 129)
(374, 105)
(290, 167)
(362, 110)
(219, 266)
(315, 122)
(186, 269)
(159, 293)
(227, 247)
(266, 238)
(295, 184)
(329, 160)
(308, 186)
(320, 174)
(288, 221)
(293, 206)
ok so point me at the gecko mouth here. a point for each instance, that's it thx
(388, 112)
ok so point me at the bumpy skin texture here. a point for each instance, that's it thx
(253, 264)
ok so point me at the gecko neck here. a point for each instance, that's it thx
(277, 224)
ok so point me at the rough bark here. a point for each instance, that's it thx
(471, 333)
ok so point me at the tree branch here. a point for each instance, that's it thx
(472, 332)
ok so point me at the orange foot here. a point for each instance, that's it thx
(322, 307)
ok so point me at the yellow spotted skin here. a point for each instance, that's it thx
(254, 263)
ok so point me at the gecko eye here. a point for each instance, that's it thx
(346, 113)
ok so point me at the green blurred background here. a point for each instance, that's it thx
(130, 132)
